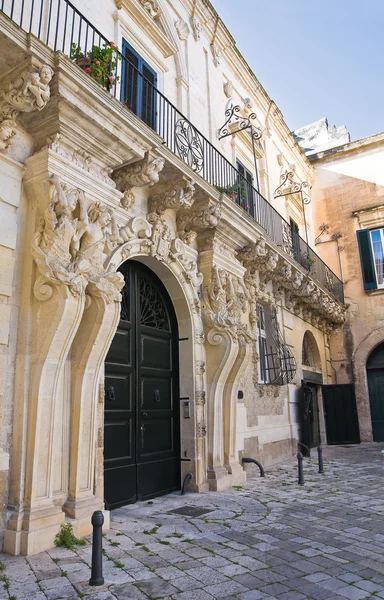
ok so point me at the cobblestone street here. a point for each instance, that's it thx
(270, 539)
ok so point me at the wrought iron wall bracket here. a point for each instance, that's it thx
(235, 123)
(294, 187)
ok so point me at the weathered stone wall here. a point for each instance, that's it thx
(348, 181)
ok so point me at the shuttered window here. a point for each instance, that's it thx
(245, 193)
(138, 83)
(371, 252)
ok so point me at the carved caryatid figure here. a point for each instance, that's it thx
(55, 241)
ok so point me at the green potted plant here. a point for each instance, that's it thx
(235, 191)
(100, 62)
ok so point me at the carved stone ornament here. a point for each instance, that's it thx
(225, 299)
(216, 54)
(201, 430)
(196, 28)
(7, 131)
(79, 157)
(179, 251)
(175, 196)
(139, 174)
(72, 250)
(200, 367)
(152, 7)
(264, 265)
(203, 216)
(29, 92)
(200, 398)
(228, 89)
(182, 29)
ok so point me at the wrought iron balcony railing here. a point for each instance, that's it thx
(62, 27)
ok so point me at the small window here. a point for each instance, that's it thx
(276, 364)
(377, 241)
(138, 85)
(371, 248)
(263, 364)
(245, 188)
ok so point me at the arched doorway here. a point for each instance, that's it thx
(141, 416)
(375, 376)
(309, 404)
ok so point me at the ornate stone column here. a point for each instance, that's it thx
(57, 304)
(89, 349)
(224, 300)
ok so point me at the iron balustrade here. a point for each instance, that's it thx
(62, 27)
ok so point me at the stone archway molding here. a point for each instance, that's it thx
(360, 357)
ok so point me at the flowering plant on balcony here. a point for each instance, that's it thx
(235, 191)
(99, 63)
(311, 260)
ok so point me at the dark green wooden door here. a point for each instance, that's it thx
(375, 375)
(142, 426)
(340, 414)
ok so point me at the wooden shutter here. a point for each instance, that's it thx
(148, 98)
(366, 259)
(129, 80)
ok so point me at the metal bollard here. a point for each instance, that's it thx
(97, 546)
(321, 465)
(187, 478)
(300, 468)
(246, 460)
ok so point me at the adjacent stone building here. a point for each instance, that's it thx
(161, 300)
(348, 195)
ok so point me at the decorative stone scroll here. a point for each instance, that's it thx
(145, 172)
(177, 195)
(29, 92)
(204, 215)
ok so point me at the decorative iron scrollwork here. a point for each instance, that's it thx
(189, 145)
(152, 309)
(125, 298)
(234, 118)
(289, 186)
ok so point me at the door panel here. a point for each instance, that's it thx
(341, 414)
(142, 426)
(376, 398)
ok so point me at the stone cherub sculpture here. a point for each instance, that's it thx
(29, 92)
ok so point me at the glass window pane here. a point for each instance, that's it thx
(378, 255)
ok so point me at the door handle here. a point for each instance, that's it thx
(145, 414)
(111, 393)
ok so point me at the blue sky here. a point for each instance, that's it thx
(315, 58)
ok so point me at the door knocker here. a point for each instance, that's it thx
(111, 393)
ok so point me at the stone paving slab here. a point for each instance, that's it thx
(269, 539)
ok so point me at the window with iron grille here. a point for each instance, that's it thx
(276, 365)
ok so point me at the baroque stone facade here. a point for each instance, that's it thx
(89, 185)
